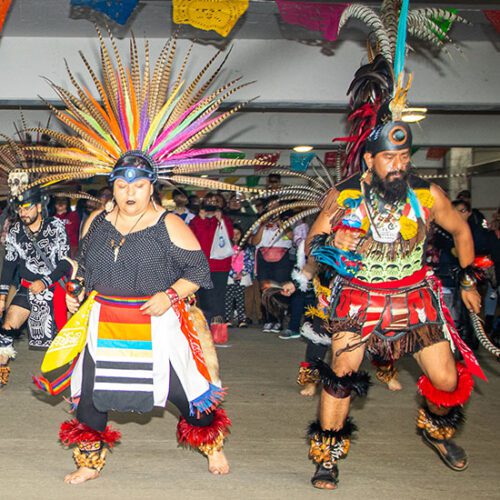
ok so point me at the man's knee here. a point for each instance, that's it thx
(345, 364)
(445, 380)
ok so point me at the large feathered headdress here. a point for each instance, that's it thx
(147, 111)
(18, 184)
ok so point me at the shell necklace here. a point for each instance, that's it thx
(115, 246)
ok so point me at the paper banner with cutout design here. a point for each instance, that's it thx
(299, 162)
(493, 17)
(253, 180)
(314, 16)
(269, 157)
(233, 156)
(217, 15)
(4, 10)
(118, 11)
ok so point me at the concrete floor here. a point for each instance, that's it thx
(267, 449)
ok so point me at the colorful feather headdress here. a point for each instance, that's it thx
(148, 110)
(16, 164)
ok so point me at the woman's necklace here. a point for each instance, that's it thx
(116, 246)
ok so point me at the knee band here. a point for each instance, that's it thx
(341, 387)
(459, 396)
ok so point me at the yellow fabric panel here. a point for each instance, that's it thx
(127, 332)
(70, 341)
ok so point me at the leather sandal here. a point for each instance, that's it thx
(326, 474)
(453, 454)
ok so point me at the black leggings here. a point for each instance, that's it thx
(212, 300)
(88, 414)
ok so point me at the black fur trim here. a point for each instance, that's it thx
(314, 430)
(359, 382)
(454, 418)
(14, 333)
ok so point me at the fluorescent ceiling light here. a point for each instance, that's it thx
(413, 115)
(302, 149)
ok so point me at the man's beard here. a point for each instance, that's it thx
(390, 189)
(27, 221)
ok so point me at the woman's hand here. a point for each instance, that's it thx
(73, 303)
(157, 305)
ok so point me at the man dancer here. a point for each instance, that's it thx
(35, 247)
(386, 301)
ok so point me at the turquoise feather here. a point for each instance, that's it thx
(399, 56)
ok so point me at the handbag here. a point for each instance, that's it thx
(219, 333)
(221, 244)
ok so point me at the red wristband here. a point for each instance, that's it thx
(173, 296)
(348, 228)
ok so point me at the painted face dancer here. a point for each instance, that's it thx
(133, 344)
(373, 229)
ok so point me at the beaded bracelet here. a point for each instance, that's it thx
(173, 296)
(467, 279)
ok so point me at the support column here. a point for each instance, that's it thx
(457, 161)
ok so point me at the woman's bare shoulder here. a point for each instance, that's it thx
(180, 234)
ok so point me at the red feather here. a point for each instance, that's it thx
(195, 436)
(459, 396)
(73, 431)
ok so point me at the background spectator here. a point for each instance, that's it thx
(181, 200)
(273, 181)
(194, 203)
(477, 217)
(240, 212)
(85, 207)
(299, 300)
(273, 258)
(204, 226)
(71, 220)
(240, 277)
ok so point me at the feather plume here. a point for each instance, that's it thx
(137, 110)
(383, 26)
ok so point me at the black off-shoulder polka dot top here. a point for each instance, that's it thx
(147, 262)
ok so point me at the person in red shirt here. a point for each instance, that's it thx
(204, 226)
(71, 221)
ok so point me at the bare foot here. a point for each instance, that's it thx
(394, 385)
(324, 485)
(81, 475)
(309, 390)
(217, 463)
